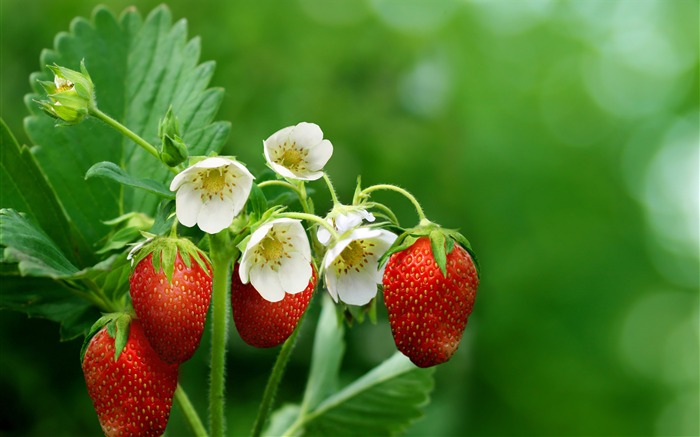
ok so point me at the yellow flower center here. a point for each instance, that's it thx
(354, 256)
(292, 157)
(214, 182)
(272, 249)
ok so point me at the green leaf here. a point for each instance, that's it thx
(140, 68)
(282, 420)
(25, 188)
(328, 351)
(383, 402)
(47, 299)
(26, 244)
(110, 170)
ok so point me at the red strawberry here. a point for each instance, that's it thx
(133, 393)
(428, 311)
(172, 303)
(262, 323)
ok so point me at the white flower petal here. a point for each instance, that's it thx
(309, 175)
(335, 251)
(332, 284)
(323, 236)
(182, 177)
(214, 162)
(295, 274)
(215, 215)
(357, 288)
(267, 283)
(306, 134)
(279, 137)
(187, 205)
(320, 154)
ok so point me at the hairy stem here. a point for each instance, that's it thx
(331, 190)
(190, 413)
(221, 256)
(95, 112)
(274, 381)
(406, 194)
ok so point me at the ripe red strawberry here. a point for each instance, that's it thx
(133, 393)
(428, 311)
(262, 323)
(172, 301)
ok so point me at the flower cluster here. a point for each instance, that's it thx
(276, 258)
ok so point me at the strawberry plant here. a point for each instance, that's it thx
(141, 235)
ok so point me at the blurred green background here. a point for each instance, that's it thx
(560, 136)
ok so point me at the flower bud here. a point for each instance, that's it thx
(173, 149)
(70, 95)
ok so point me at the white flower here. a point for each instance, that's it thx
(211, 193)
(351, 265)
(277, 259)
(298, 152)
(343, 222)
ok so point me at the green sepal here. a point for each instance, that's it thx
(122, 325)
(442, 243)
(437, 245)
(403, 242)
(165, 250)
(117, 325)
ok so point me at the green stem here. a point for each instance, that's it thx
(409, 196)
(221, 256)
(331, 190)
(281, 184)
(274, 381)
(311, 218)
(190, 413)
(386, 210)
(94, 111)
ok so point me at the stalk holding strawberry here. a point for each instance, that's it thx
(171, 291)
(130, 386)
(429, 289)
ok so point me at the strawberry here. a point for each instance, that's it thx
(171, 297)
(262, 323)
(428, 309)
(130, 386)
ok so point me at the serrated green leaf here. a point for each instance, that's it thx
(139, 68)
(383, 402)
(24, 188)
(112, 171)
(29, 246)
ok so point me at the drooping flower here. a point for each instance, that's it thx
(343, 221)
(211, 193)
(277, 259)
(352, 265)
(298, 152)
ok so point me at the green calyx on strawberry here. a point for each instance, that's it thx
(130, 386)
(262, 323)
(430, 282)
(170, 290)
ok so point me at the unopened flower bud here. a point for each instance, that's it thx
(173, 149)
(70, 95)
